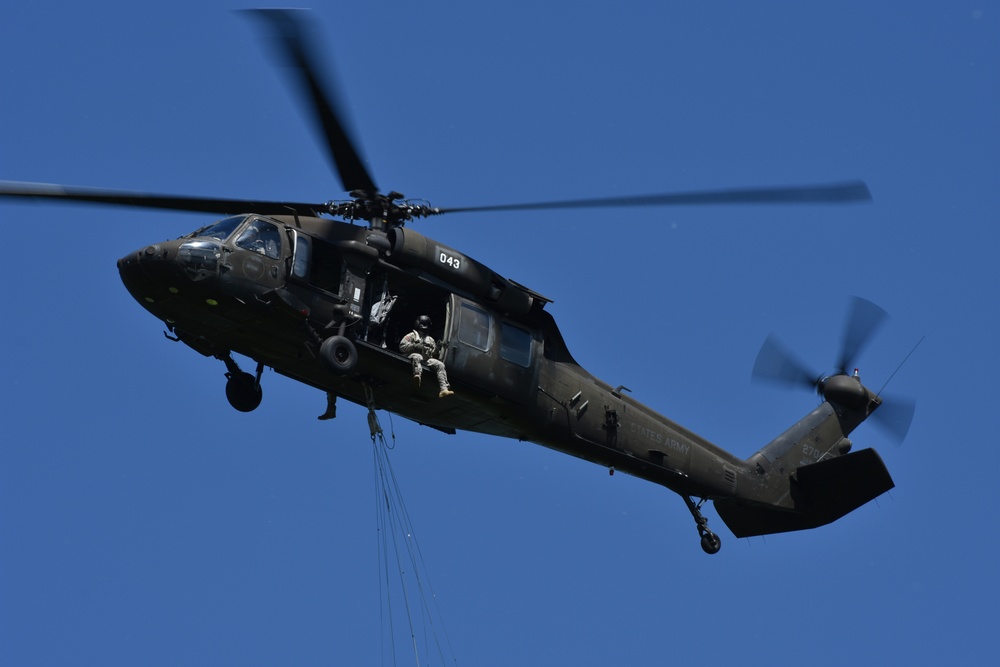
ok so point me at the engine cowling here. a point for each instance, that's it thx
(456, 269)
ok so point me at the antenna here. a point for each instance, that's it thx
(901, 364)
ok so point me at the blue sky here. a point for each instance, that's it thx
(143, 521)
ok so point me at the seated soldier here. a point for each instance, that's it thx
(418, 345)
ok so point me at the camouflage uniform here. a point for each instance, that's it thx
(419, 348)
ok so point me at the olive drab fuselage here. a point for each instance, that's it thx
(284, 290)
(275, 288)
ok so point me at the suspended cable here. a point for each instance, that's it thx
(393, 523)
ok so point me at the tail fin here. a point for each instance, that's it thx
(821, 493)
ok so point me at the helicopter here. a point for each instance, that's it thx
(323, 293)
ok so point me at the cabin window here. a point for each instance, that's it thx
(474, 327)
(261, 237)
(317, 263)
(327, 266)
(515, 345)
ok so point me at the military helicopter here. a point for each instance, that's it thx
(323, 293)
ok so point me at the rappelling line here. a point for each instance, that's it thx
(383, 466)
(381, 527)
(417, 564)
(393, 516)
(383, 512)
(385, 595)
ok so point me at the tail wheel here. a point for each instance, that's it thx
(338, 355)
(710, 542)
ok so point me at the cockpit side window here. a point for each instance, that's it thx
(303, 253)
(261, 237)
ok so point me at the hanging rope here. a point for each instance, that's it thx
(397, 543)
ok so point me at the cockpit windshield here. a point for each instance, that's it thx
(219, 230)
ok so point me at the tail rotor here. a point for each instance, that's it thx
(777, 364)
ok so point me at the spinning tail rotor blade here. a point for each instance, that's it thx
(864, 319)
(776, 363)
(894, 416)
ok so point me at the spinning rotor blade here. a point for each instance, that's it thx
(295, 48)
(894, 416)
(47, 191)
(288, 31)
(776, 363)
(863, 321)
(838, 193)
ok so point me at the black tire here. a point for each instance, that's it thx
(243, 392)
(338, 355)
(710, 543)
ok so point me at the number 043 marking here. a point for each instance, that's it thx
(450, 260)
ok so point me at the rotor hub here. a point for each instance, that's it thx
(390, 210)
(845, 390)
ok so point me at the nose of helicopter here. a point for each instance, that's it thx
(152, 273)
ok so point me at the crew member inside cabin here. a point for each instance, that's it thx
(419, 346)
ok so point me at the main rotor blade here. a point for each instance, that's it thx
(776, 363)
(864, 319)
(47, 191)
(837, 193)
(295, 48)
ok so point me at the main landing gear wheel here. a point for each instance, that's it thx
(243, 391)
(338, 355)
(710, 542)
(242, 388)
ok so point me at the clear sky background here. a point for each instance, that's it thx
(143, 521)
